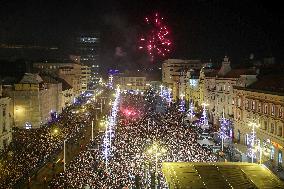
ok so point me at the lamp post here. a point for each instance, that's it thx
(156, 151)
(92, 130)
(254, 125)
(64, 155)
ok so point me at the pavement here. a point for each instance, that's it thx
(242, 149)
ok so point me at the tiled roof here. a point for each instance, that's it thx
(49, 78)
(212, 73)
(31, 78)
(236, 73)
(271, 83)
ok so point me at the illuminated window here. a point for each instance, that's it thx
(272, 152)
(272, 110)
(253, 105)
(265, 108)
(279, 157)
(239, 102)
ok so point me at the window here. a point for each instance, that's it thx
(272, 128)
(280, 112)
(239, 102)
(259, 106)
(224, 87)
(272, 110)
(265, 125)
(280, 158)
(229, 88)
(272, 152)
(253, 105)
(246, 104)
(265, 108)
(279, 133)
(4, 112)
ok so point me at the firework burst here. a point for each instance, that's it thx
(156, 39)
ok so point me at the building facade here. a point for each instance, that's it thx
(34, 101)
(131, 82)
(174, 69)
(6, 120)
(70, 72)
(85, 77)
(218, 89)
(262, 103)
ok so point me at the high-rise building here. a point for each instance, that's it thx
(88, 48)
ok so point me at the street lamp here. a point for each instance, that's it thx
(64, 155)
(254, 125)
(156, 151)
(92, 130)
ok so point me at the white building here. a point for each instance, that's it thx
(218, 88)
(173, 69)
(85, 77)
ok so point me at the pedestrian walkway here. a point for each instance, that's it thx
(271, 166)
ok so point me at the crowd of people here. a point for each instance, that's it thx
(33, 148)
(130, 164)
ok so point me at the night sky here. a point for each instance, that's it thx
(200, 29)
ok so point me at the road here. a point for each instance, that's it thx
(55, 165)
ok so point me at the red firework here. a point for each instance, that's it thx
(156, 41)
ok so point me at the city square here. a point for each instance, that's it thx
(128, 95)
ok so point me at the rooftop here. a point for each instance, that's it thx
(31, 78)
(270, 83)
(219, 175)
(236, 73)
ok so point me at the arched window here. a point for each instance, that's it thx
(279, 132)
(272, 128)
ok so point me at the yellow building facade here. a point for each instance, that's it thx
(266, 109)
